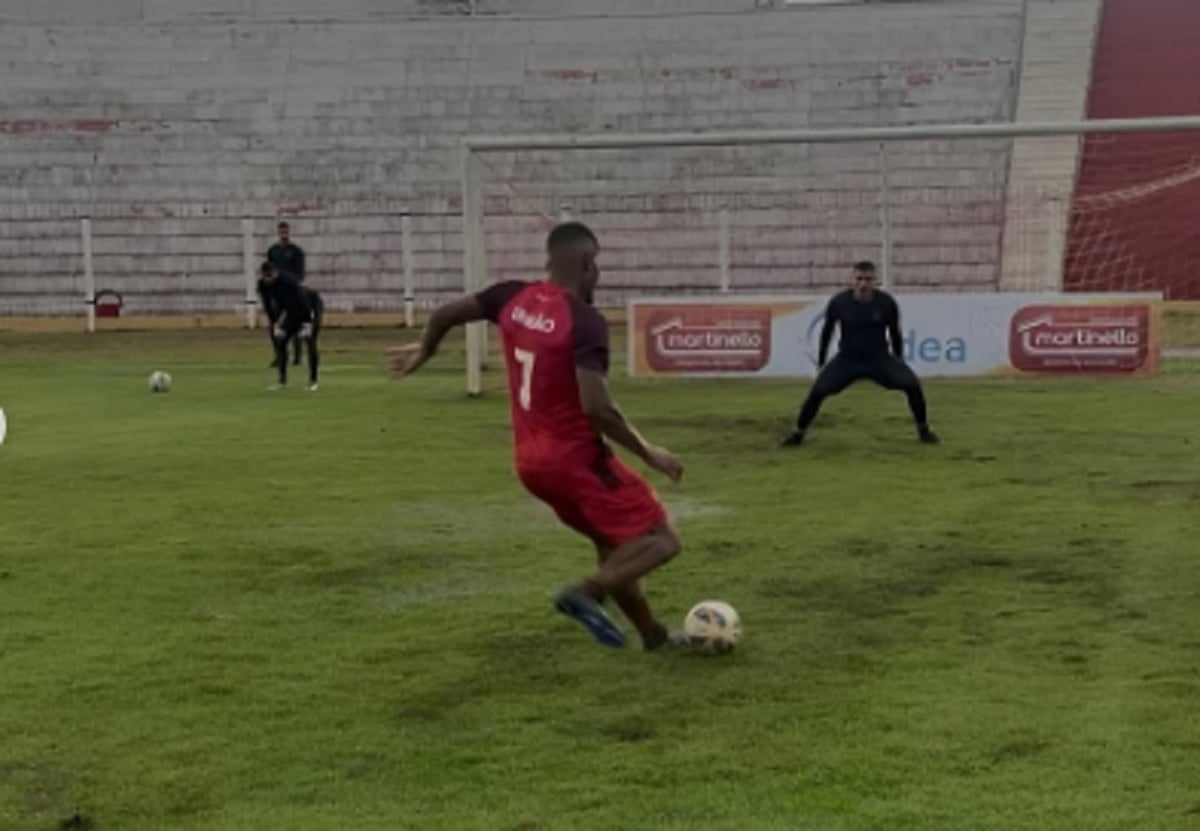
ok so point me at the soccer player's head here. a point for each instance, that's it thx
(284, 230)
(865, 278)
(267, 271)
(571, 251)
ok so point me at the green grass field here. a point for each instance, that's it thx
(228, 609)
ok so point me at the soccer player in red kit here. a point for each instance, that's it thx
(556, 350)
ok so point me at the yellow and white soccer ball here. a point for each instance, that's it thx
(713, 626)
(159, 381)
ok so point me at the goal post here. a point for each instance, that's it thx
(475, 262)
(1045, 206)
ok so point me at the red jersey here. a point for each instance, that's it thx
(547, 332)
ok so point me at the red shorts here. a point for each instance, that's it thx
(607, 500)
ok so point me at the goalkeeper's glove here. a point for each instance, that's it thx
(279, 333)
(306, 331)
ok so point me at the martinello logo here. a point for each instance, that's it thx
(704, 338)
(1053, 338)
(918, 348)
(672, 339)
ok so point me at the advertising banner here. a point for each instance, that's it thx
(944, 335)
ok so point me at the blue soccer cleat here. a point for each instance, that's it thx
(576, 604)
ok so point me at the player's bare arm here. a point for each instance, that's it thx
(609, 421)
(407, 359)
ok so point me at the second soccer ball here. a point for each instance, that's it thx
(159, 381)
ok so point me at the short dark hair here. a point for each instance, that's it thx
(864, 265)
(569, 233)
(267, 267)
(283, 225)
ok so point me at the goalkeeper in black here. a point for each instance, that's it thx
(869, 320)
(298, 312)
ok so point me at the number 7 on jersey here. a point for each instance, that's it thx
(526, 359)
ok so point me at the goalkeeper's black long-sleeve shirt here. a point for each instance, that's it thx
(867, 327)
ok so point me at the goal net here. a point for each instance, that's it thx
(1087, 207)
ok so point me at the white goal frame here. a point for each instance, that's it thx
(473, 181)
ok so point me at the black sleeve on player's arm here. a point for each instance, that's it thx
(268, 303)
(893, 328)
(591, 338)
(495, 297)
(831, 318)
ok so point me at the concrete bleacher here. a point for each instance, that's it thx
(1056, 68)
(168, 122)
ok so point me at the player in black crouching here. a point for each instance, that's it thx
(869, 319)
(298, 311)
(268, 305)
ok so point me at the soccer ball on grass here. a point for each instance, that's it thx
(159, 381)
(713, 626)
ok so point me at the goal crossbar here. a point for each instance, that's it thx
(473, 147)
(1006, 129)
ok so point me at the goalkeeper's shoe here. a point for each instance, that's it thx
(793, 439)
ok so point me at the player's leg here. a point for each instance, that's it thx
(617, 577)
(609, 503)
(314, 352)
(634, 538)
(281, 358)
(554, 485)
(632, 560)
(314, 361)
(833, 378)
(274, 347)
(633, 604)
(892, 373)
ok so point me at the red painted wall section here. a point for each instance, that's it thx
(1135, 219)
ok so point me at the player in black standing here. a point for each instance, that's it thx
(288, 259)
(299, 311)
(869, 320)
(268, 304)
